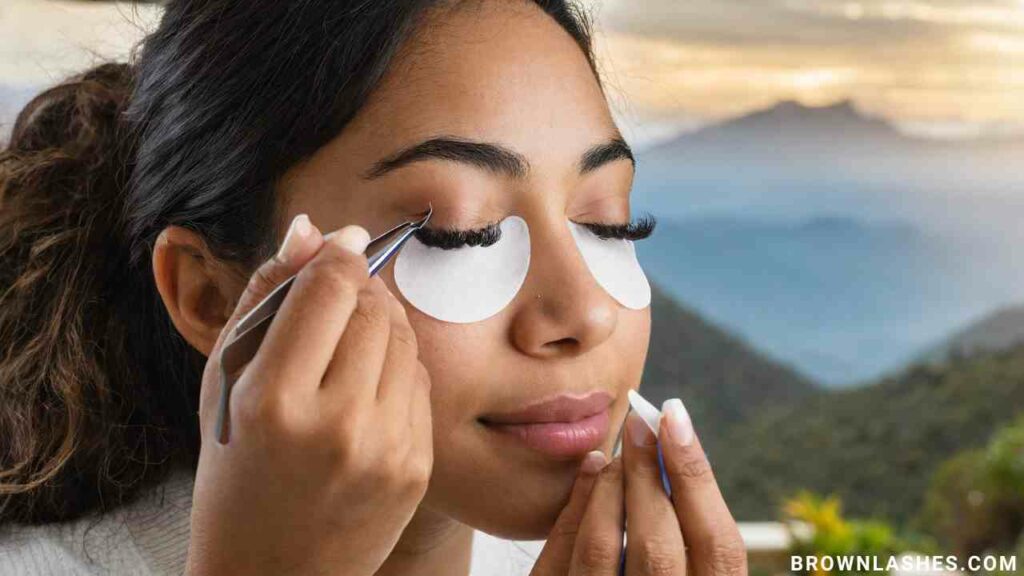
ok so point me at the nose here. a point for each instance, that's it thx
(563, 311)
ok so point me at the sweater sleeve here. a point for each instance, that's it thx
(146, 538)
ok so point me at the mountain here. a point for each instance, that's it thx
(720, 378)
(787, 119)
(877, 446)
(830, 239)
(998, 330)
(791, 160)
(843, 300)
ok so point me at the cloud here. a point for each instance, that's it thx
(942, 61)
(680, 62)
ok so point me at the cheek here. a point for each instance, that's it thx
(633, 333)
(506, 493)
(460, 359)
(454, 356)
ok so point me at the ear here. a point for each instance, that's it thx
(195, 287)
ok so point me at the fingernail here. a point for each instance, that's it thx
(639, 433)
(594, 462)
(680, 427)
(299, 227)
(352, 238)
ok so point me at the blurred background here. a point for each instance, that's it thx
(839, 302)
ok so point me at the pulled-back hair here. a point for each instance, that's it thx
(98, 392)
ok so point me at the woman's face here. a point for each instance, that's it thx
(505, 74)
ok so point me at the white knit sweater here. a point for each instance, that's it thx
(150, 538)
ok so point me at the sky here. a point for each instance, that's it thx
(946, 68)
(941, 67)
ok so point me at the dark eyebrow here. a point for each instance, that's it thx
(491, 157)
(614, 149)
(480, 154)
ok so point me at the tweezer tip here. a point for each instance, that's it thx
(426, 218)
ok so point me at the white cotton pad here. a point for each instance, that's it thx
(650, 414)
(466, 284)
(614, 265)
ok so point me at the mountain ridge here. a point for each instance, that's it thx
(722, 379)
(998, 330)
(877, 446)
(843, 115)
(961, 196)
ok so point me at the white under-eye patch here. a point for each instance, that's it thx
(613, 263)
(466, 284)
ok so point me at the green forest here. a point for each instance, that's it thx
(931, 451)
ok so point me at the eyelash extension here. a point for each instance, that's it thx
(638, 229)
(450, 239)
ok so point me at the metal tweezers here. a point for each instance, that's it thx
(247, 335)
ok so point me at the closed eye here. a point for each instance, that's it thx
(450, 238)
(637, 229)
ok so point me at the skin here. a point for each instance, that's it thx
(504, 74)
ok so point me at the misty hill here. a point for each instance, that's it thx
(830, 239)
(1001, 329)
(876, 446)
(721, 379)
(845, 301)
(792, 159)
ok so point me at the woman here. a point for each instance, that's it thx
(146, 208)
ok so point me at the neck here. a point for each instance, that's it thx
(431, 544)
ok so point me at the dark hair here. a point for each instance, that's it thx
(98, 391)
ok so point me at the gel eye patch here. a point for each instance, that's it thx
(473, 283)
(613, 263)
(466, 284)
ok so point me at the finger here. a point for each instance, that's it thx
(712, 537)
(395, 357)
(655, 540)
(421, 426)
(598, 545)
(305, 332)
(355, 369)
(398, 380)
(300, 243)
(555, 557)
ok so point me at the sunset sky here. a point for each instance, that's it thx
(941, 67)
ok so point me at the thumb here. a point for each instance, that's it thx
(556, 556)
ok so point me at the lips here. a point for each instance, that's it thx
(560, 408)
(562, 427)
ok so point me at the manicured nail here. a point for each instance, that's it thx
(680, 427)
(299, 227)
(352, 238)
(639, 432)
(594, 462)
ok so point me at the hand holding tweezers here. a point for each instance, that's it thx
(245, 338)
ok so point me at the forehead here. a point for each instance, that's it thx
(495, 71)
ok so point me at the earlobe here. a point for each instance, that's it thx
(191, 286)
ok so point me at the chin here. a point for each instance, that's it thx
(507, 494)
(508, 512)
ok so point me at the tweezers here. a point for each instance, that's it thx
(247, 335)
